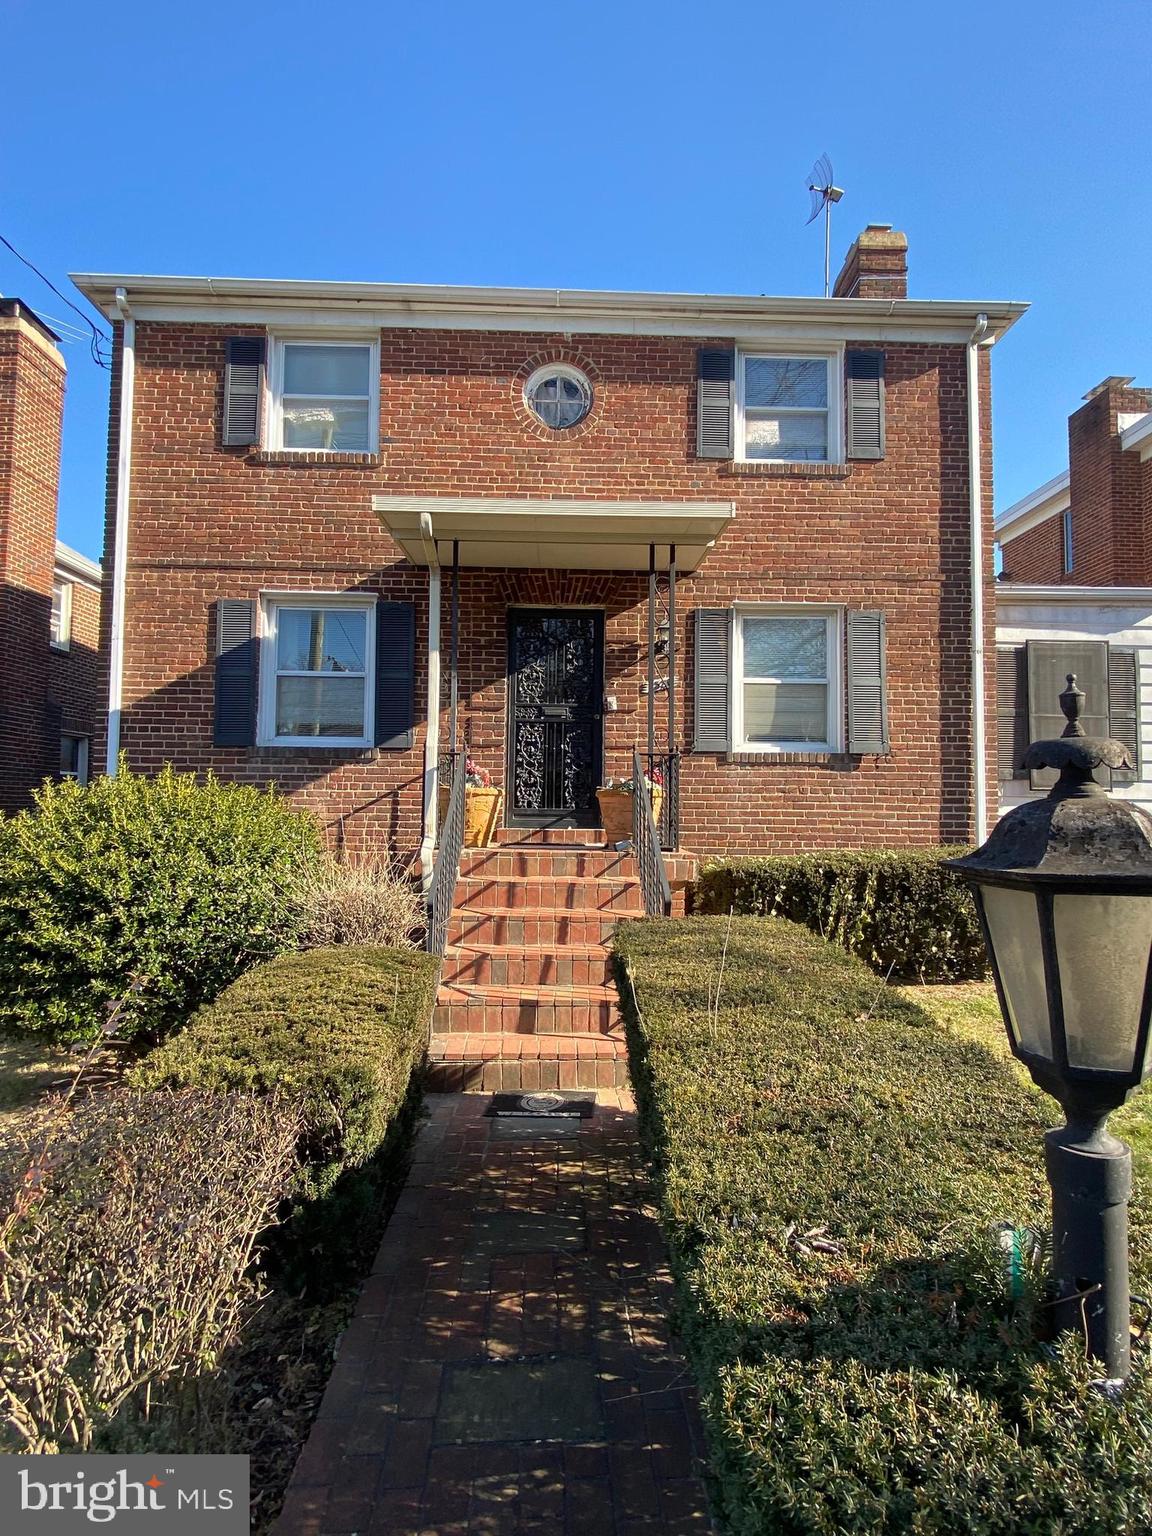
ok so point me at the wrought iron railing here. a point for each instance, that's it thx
(646, 846)
(664, 769)
(446, 869)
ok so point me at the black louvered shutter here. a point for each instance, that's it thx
(236, 668)
(867, 684)
(243, 390)
(711, 695)
(1011, 711)
(864, 385)
(1124, 707)
(1049, 662)
(395, 674)
(715, 386)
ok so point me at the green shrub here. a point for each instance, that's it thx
(829, 1162)
(901, 911)
(177, 883)
(341, 1032)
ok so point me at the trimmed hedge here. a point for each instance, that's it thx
(899, 910)
(342, 1032)
(829, 1162)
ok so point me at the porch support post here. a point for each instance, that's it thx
(651, 654)
(455, 654)
(671, 649)
(432, 731)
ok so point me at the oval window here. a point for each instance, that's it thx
(558, 396)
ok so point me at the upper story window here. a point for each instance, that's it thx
(60, 629)
(324, 396)
(786, 680)
(316, 691)
(784, 408)
(558, 395)
(1066, 540)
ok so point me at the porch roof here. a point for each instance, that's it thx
(544, 534)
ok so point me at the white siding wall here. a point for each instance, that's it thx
(1049, 617)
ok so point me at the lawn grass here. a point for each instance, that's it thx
(971, 1011)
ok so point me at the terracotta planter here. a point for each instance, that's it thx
(616, 812)
(481, 813)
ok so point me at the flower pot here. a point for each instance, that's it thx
(616, 812)
(481, 813)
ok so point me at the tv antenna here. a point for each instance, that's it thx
(824, 193)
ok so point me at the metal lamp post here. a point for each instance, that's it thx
(1064, 891)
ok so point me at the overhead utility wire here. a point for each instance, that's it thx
(99, 337)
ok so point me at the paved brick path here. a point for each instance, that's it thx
(509, 1368)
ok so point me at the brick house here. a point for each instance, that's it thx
(354, 525)
(50, 594)
(1075, 593)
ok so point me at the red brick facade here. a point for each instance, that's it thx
(1110, 494)
(74, 672)
(209, 522)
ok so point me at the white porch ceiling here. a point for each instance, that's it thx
(541, 534)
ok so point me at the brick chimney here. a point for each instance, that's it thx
(1111, 528)
(31, 417)
(876, 266)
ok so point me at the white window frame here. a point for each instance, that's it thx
(81, 774)
(274, 413)
(559, 371)
(834, 621)
(834, 358)
(272, 604)
(63, 641)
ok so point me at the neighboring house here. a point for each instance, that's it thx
(297, 463)
(49, 594)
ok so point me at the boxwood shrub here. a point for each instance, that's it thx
(341, 1031)
(901, 911)
(829, 1163)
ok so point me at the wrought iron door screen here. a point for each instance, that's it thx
(555, 724)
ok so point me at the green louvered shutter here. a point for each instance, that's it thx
(243, 390)
(1011, 711)
(234, 723)
(867, 684)
(715, 388)
(712, 692)
(395, 675)
(1124, 707)
(864, 401)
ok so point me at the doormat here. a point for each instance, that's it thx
(557, 1104)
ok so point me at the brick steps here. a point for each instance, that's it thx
(543, 863)
(527, 965)
(529, 893)
(559, 927)
(487, 1010)
(511, 1062)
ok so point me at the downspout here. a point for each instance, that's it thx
(120, 548)
(432, 733)
(976, 570)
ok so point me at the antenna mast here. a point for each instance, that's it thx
(824, 194)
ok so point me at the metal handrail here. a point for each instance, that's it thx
(446, 869)
(654, 885)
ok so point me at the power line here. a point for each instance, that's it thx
(99, 337)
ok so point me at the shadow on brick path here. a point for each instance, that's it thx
(509, 1369)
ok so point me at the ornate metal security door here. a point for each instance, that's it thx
(555, 720)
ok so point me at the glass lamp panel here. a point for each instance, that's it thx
(1014, 924)
(321, 639)
(320, 706)
(310, 370)
(1102, 947)
(339, 425)
(785, 712)
(801, 436)
(792, 382)
(785, 647)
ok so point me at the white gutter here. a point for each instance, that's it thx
(120, 549)
(976, 569)
(432, 734)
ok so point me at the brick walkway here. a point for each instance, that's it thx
(509, 1368)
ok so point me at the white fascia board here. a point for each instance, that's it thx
(1037, 507)
(1139, 437)
(207, 300)
(1020, 591)
(71, 564)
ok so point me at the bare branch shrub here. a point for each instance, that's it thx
(359, 902)
(125, 1250)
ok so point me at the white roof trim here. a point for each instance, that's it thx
(268, 301)
(1139, 436)
(1037, 507)
(1012, 591)
(77, 567)
(538, 533)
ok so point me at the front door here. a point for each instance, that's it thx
(555, 720)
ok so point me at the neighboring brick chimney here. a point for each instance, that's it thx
(31, 417)
(876, 266)
(1111, 532)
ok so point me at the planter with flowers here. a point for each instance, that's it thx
(482, 803)
(615, 800)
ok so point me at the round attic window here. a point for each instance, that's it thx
(558, 395)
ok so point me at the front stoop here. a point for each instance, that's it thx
(526, 997)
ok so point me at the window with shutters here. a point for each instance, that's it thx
(787, 408)
(325, 396)
(317, 689)
(1029, 681)
(786, 680)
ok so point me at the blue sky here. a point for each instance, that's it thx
(659, 146)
